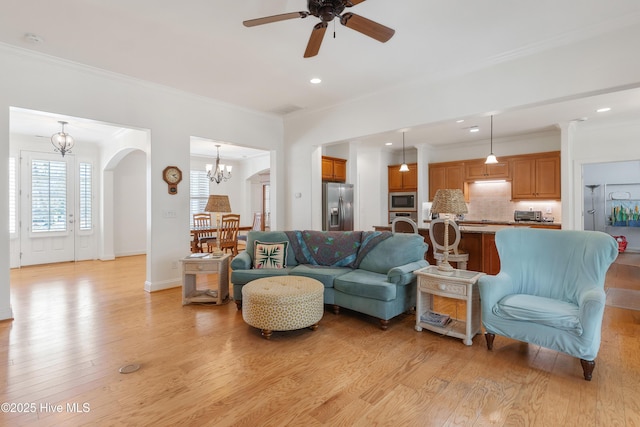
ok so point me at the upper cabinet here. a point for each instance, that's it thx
(447, 175)
(334, 169)
(403, 181)
(477, 170)
(536, 176)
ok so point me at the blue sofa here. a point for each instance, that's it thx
(369, 272)
(550, 290)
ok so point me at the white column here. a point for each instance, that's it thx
(571, 199)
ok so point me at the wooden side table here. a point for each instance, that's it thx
(205, 279)
(458, 284)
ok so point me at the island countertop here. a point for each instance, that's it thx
(478, 240)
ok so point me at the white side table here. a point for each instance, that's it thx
(205, 279)
(458, 284)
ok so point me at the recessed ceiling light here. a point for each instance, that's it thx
(315, 80)
(388, 143)
(474, 129)
(603, 109)
(460, 121)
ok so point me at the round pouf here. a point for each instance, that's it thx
(283, 303)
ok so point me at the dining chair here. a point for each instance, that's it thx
(203, 232)
(228, 233)
(436, 234)
(404, 225)
(257, 226)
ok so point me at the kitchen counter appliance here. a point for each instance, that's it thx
(337, 206)
(405, 201)
(528, 216)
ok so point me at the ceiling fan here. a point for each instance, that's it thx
(327, 10)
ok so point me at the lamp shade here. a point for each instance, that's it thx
(218, 203)
(491, 159)
(449, 201)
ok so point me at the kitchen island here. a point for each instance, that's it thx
(477, 238)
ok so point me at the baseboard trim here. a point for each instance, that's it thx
(6, 314)
(161, 286)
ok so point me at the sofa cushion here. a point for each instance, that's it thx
(241, 277)
(326, 275)
(270, 237)
(270, 255)
(366, 284)
(399, 249)
(545, 311)
(328, 248)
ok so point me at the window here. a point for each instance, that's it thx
(12, 195)
(86, 196)
(48, 196)
(199, 188)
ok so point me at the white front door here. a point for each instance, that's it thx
(47, 208)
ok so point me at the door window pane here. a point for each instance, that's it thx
(86, 213)
(48, 196)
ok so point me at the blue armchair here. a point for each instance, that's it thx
(550, 290)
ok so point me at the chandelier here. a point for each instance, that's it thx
(221, 172)
(62, 141)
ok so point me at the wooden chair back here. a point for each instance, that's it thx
(228, 237)
(203, 230)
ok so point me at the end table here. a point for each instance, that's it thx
(458, 284)
(198, 269)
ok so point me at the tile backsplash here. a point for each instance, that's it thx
(492, 201)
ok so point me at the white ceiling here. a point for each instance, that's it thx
(202, 47)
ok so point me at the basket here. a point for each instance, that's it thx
(622, 243)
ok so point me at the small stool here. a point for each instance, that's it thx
(283, 303)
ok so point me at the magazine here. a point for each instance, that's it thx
(198, 255)
(434, 318)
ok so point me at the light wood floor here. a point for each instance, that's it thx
(76, 324)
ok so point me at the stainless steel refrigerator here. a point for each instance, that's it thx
(337, 206)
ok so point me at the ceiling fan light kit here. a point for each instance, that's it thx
(327, 11)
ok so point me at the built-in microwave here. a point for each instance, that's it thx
(402, 201)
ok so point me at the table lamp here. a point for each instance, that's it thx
(219, 204)
(448, 202)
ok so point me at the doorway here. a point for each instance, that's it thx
(48, 208)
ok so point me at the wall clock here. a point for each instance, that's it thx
(172, 175)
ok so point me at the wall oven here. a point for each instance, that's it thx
(411, 215)
(403, 201)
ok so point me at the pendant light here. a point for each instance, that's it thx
(403, 167)
(221, 172)
(491, 158)
(62, 142)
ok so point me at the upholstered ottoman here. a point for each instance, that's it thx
(283, 303)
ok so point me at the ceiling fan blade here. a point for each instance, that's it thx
(275, 18)
(353, 2)
(367, 27)
(313, 47)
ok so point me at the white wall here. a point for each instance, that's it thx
(130, 205)
(588, 67)
(604, 156)
(241, 190)
(42, 83)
